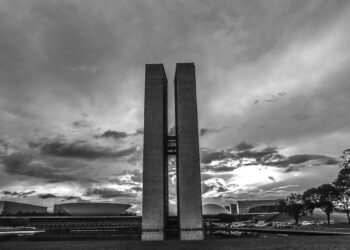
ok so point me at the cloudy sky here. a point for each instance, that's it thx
(272, 85)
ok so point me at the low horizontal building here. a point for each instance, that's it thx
(256, 206)
(16, 208)
(91, 209)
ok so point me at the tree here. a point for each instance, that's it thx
(342, 183)
(323, 197)
(292, 205)
(328, 196)
(310, 199)
(345, 163)
(282, 206)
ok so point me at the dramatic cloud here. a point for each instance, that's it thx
(119, 135)
(206, 131)
(53, 196)
(114, 134)
(108, 193)
(209, 156)
(19, 194)
(19, 164)
(73, 70)
(244, 146)
(228, 173)
(81, 149)
(246, 154)
(81, 124)
(215, 184)
(47, 196)
(132, 178)
(299, 159)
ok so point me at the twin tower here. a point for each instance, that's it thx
(158, 146)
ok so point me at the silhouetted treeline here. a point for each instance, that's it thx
(327, 197)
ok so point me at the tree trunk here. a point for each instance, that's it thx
(346, 208)
(296, 220)
(329, 218)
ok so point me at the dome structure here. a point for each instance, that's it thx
(91, 209)
(210, 209)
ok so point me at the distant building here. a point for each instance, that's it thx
(91, 209)
(254, 206)
(16, 208)
(211, 209)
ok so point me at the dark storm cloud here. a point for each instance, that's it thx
(206, 176)
(220, 168)
(242, 150)
(268, 156)
(136, 175)
(53, 196)
(294, 168)
(137, 189)
(59, 59)
(119, 134)
(23, 165)
(47, 196)
(19, 194)
(83, 150)
(68, 50)
(139, 131)
(206, 131)
(265, 155)
(81, 124)
(244, 146)
(68, 198)
(206, 188)
(108, 193)
(114, 134)
(33, 144)
(300, 159)
(272, 178)
(298, 183)
(210, 187)
(209, 156)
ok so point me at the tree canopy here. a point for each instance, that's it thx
(345, 163)
(323, 197)
(293, 206)
(342, 183)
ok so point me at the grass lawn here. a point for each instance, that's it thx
(264, 242)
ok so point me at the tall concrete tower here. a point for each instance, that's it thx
(155, 170)
(158, 145)
(189, 199)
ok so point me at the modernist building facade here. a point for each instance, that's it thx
(16, 208)
(158, 145)
(90, 209)
(256, 206)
